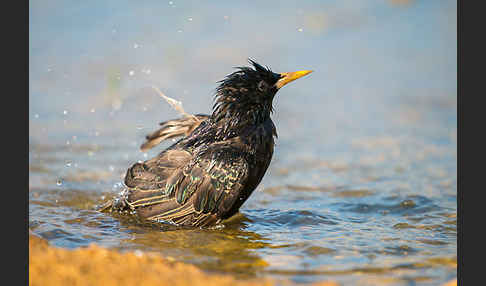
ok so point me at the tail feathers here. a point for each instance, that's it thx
(173, 129)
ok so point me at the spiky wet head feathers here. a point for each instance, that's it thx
(246, 93)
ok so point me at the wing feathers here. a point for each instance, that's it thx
(173, 129)
(187, 189)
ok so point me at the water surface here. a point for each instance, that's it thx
(362, 188)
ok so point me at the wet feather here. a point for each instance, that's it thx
(217, 163)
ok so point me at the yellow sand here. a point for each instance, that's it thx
(95, 265)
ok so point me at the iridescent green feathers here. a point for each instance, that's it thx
(207, 175)
(198, 186)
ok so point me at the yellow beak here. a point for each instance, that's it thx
(290, 76)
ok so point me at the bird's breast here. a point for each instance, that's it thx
(263, 145)
(258, 149)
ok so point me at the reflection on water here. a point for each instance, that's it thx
(362, 186)
(306, 232)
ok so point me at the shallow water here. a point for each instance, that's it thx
(362, 187)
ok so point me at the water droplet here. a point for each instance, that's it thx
(92, 110)
(111, 168)
(131, 73)
(97, 133)
(36, 115)
(145, 155)
(68, 143)
(65, 112)
(171, 3)
(135, 46)
(179, 31)
(189, 19)
(144, 108)
(147, 71)
(69, 163)
(59, 182)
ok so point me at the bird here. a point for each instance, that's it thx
(205, 176)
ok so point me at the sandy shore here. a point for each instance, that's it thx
(95, 265)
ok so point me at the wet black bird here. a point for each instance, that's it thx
(208, 174)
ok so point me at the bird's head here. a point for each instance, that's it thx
(247, 93)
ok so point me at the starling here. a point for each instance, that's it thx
(207, 175)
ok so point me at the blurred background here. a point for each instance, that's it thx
(364, 171)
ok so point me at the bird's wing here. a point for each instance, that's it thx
(196, 193)
(147, 181)
(173, 129)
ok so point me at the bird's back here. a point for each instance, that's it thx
(200, 179)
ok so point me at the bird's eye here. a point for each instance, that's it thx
(262, 86)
